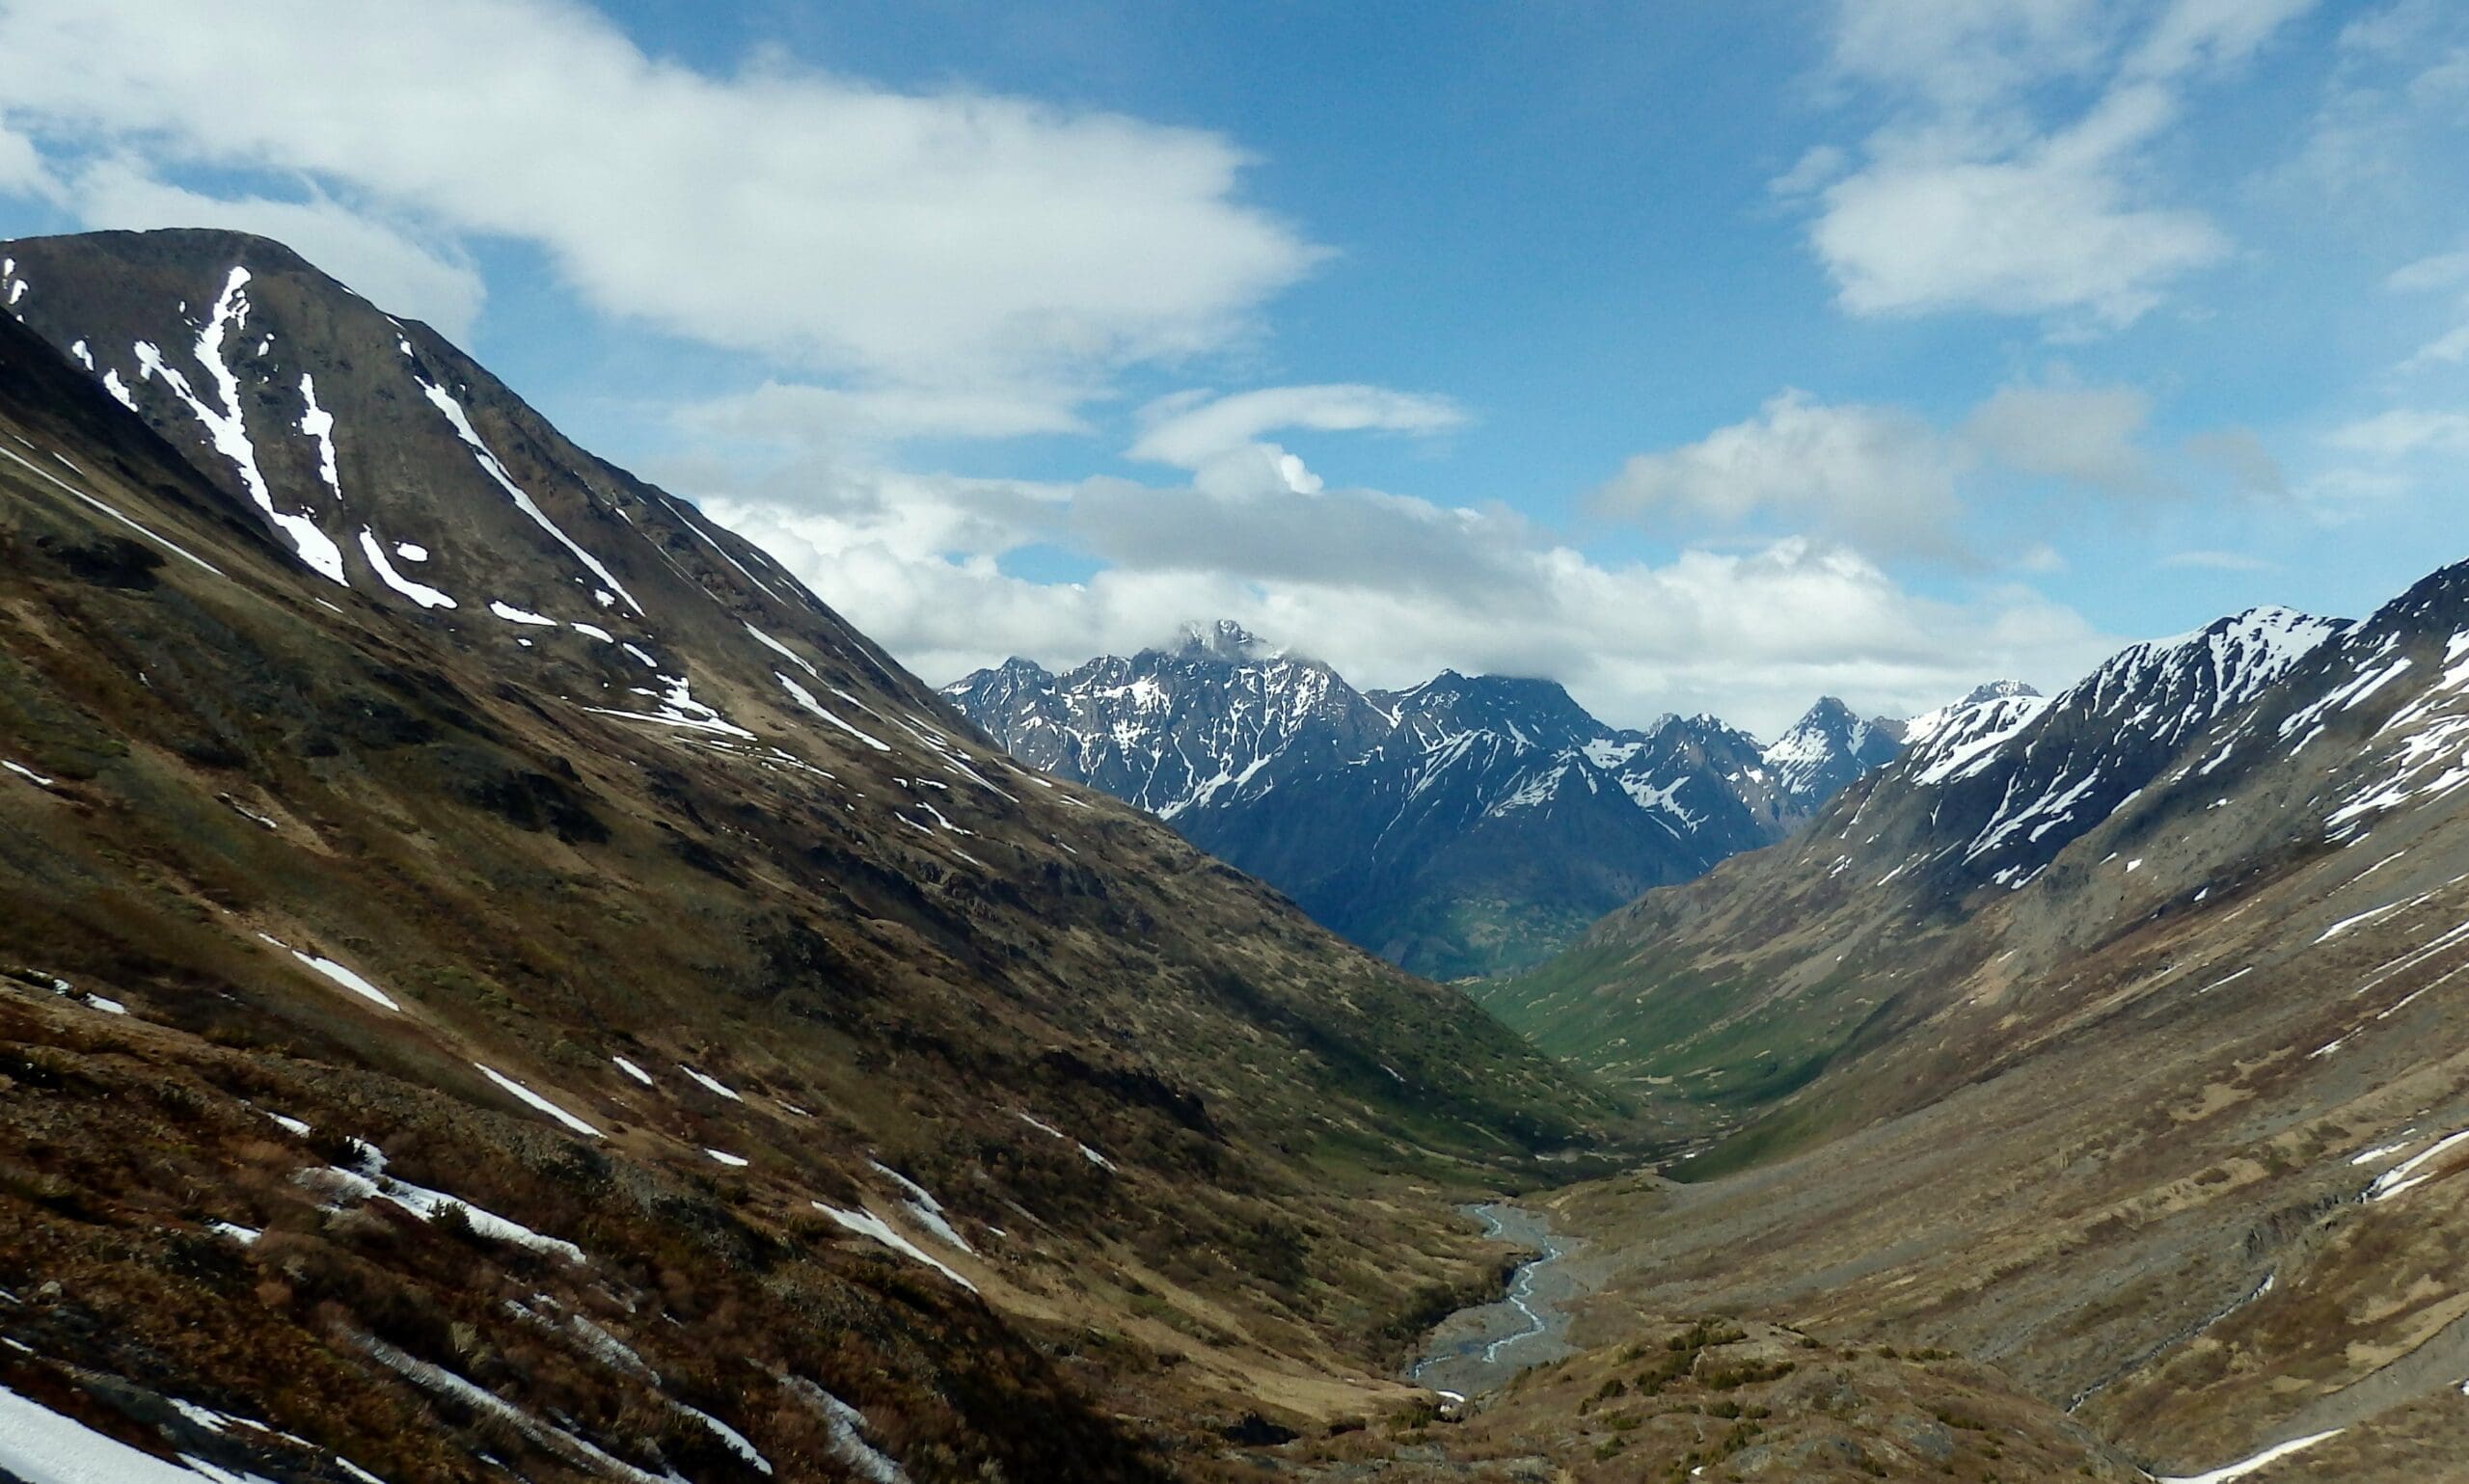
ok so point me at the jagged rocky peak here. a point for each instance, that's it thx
(1223, 639)
(1833, 720)
(1534, 711)
(1465, 824)
(2013, 778)
(1827, 748)
(1997, 690)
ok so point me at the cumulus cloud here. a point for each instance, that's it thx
(1965, 199)
(1894, 484)
(900, 242)
(1390, 589)
(1877, 475)
(22, 167)
(2044, 231)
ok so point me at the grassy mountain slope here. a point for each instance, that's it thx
(445, 882)
(2162, 1125)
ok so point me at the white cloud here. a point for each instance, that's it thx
(2044, 232)
(1391, 589)
(899, 242)
(2196, 34)
(1876, 475)
(2404, 431)
(2450, 348)
(379, 261)
(1189, 428)
(22, 167)
(1817, 166)
(2442, 270)
(1893, 484)
(1965, 54)
(1966, 200)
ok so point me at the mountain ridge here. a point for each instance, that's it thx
(1460, 827)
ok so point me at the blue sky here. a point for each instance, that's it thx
(1700, 357)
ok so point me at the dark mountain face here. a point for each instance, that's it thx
(494, 965)
(1470, 825)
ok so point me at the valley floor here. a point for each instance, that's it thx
(2011, 1283)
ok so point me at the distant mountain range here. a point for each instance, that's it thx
(1467, 826)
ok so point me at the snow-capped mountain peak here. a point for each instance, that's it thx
(1825, 750)
(1223, 639)
(2007, 780)
(1415, 821)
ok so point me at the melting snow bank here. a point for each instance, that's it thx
(867, 1224)
(712, 1085)
(928, 1211)
(41, 1447)
(2361, 919)
(371, 1181)
(1045, 1127)
(443, 401)
(806, 701)
(69, 991)
(227, 427)
(537, 1101)
(734, 1441)
(2245, 1467)
(515, 615)
(2404, 1177)
(346, 978)
(421, 593)
(438, 1381)
(849, 1441)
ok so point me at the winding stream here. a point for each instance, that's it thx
(1477, 1349)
